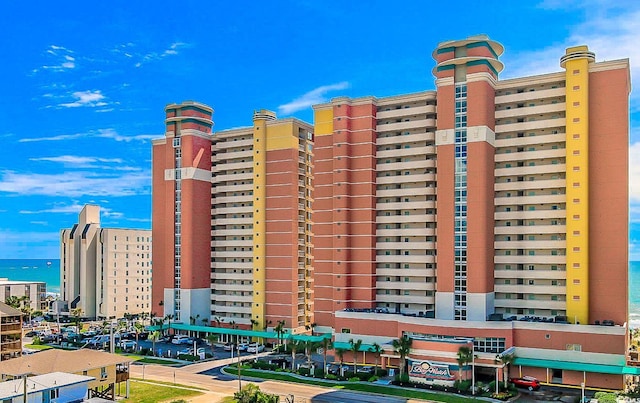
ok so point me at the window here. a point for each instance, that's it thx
(53, 394)
(103, 373)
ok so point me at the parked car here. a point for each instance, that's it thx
(127, 344)
(228, 347)
(181, 339)
(243, 346)
(527, 382)
(33, 333)
(255, 348)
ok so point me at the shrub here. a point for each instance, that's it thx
(332, 377)
(188, 357)
(304, 371)
(354, 379)
(605, 397)
(373, 378)
(318, 373)
(462, 386)
(403, 380)
(36, 341)
(252, 394)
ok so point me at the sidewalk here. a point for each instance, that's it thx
(211, 364)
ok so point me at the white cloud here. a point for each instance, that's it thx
(58, 208)
(172, 50)
(610, 29)
(86, 98)
(100, 133)
(61, 58)
(76, 160)
(44, 223)
(315, 96)
(75, 184)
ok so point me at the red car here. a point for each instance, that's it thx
(528, 382)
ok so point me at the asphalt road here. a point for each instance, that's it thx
(220, 385)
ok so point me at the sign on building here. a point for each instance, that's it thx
(430, 373)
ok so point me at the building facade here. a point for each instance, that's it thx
(33, 293)
(489, 210)
(486, 212)
(232, 220)
(105, 272)
(10, 332)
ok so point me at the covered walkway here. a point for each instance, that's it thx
(225, 331)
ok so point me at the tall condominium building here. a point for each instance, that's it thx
(106, 272)
(481, 200)
(490, 213)
(239, 201)
(182, 213)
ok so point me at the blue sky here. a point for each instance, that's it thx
(84, 84)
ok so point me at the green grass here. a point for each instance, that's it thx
(167, 383)
(37, 346)
(356, 386)
(143, 392)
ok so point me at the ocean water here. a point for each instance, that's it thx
(38, 270)
(33, 270)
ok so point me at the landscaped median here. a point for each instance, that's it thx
(354, 386)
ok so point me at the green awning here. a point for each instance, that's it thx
(578, 366)
(347, 346)
(240, 332)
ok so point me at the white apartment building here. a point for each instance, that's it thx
(34, 291)
(106, 272)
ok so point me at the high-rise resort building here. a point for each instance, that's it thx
(105, 272)
(232, 220)
(485, 213)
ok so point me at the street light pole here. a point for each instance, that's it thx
(582, 390)
(473, 370)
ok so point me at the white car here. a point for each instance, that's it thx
(255, 348)
(127, 344)
(180, 339)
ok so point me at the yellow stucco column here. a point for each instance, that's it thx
(576, 64)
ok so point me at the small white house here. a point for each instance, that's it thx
(55, 387)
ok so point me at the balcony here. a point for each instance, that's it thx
(530, 229)
(530, 289)
(405, 138)
(531, 95)
(528, 185)
(531, 140)
(531, 110)
(531, 125)
(405, 125)
(401, 112)
(531, 274)
(406, 151)
(533, 259)
(530, 304)
(531, 170)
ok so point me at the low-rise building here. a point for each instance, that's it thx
(53, 387)
(33, 292)
(105, 272)
(107, 369)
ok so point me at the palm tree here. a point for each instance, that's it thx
(295, 346)
(326, 345)
(138, 328)
(168, 318)
(340, 353)
(13, 301)
(355, 347)
(402, 346)
(505, 360)
(311, 327)
(154, 336)
(465, 356)
(376, 350)
(77, 313)
(279, 329)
